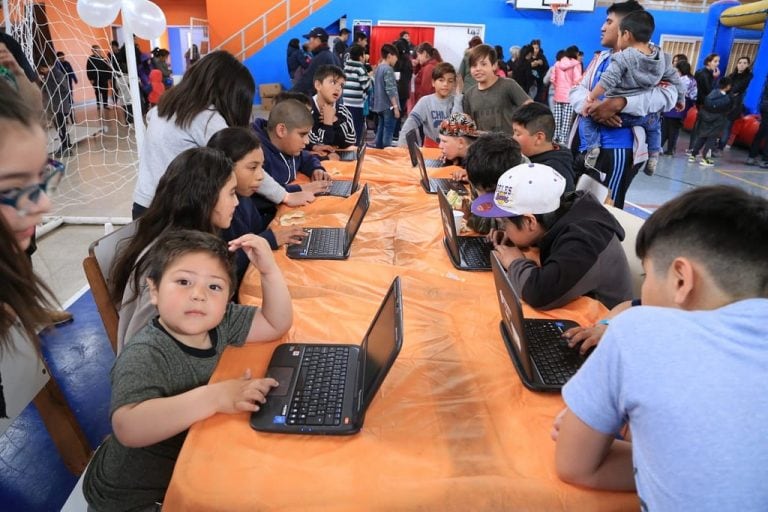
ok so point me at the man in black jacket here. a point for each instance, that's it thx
(99, 73)
(321, 55)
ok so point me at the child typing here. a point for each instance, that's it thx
(160, 380)
(640, 66)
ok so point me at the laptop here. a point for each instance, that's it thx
(349, 154)
(465, 252)
(435, 185)
(411, 138)
(332, 243)
(541, 356)
(326, 388)
(345, 188)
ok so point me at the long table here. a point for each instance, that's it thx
(452, 427)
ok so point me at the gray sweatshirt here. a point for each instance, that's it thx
(428, 113)
(631, 72)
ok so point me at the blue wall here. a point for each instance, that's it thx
(505, 25)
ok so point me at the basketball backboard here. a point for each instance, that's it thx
(546, 5)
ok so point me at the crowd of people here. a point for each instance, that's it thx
(211, 180)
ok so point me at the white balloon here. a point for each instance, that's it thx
(145, 18)
(98, 13)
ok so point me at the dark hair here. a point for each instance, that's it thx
(294, 43)
(185, 198)
(624, 8)
(293, 95)
(291, 113)
(344, 31)
(218, 80)
(684, 67)
(480, 52)
(547, 220)
(572, 52)
(476, 40)
(13, 109)
(489, 157)
(559, 55)
(387, 50)
(327, 70)
(535, 117)
(724, 82)
(499, 52)
(680, 56)
(745, 57)
(172, 245)
(404, 32)
(429, 50)
(535, 41)
(442, 69)
(640, 24)
(360, 36)
(722, 227)
(59, 54)
(356, 51)
(235, 142)
(709, 58)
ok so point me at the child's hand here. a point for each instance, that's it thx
(302, 198)
(320, 174)
(587, 336)
(507, 254)
(316, 187)
(328, 114)
(289, 235)
(258, 251)
(243, 394)
(322, 149)
(460, 175)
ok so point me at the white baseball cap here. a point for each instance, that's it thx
(523, 189)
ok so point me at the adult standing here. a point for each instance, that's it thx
(296, 60)
(616, 161)
(321, 55)
(522, 72)
(464, 78)
(539, 68)
(403, 75)
(340, 45)
(706, 78)
(740, 79)
(58, 104)
(99, 73)
(66, 66)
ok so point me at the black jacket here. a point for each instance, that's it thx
(738, 90)
(322, 55)
(705, 81)
(561, 160)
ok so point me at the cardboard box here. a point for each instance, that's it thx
(267, 103)
(270, 90)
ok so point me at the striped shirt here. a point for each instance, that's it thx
(340, 134)
(356, 84)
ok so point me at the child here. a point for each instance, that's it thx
(357, 82)
(579, 241)
(386, 102)
(493, 100)
(242, 146)
(672, 120)
(431, 110)
(333, 126)
(713, 118)
(534, 127)
(640, 66)
(157, 87)
(566, 74)
(160, 381)
(456, 135)
(685, 370)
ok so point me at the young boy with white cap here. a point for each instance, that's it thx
(579, 241)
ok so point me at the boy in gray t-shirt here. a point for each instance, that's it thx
(160, 380)
(639, 67)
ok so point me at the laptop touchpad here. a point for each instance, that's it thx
(282, 375)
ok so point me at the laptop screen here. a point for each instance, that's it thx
(413, 145)
(382, 342)
(356, 219)
(512, 315)
(358, 168)
(449, 226)
(422, 169)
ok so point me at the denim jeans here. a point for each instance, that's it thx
(358, 119)
(385, 129)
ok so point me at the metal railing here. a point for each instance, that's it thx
(286, 23)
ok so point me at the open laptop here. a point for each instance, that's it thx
(466, 252)
(541, 356)
(326, 388)
(435, 185)
(349, 154)
(345, 188)
(411, 138)
(332, 243)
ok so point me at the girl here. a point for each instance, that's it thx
(566, 74)
(706, 78)
(427, 58)
(242, 146)
(740, 77)
(197, 192)
(673, 120)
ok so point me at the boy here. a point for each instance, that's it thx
(456, 134)
(332, 126)
(713, 116)
(357, 82)
(493, 99)
(579, 241)
(534, 127)
(430, 111)
(685, 370)
(160, 380)
(283, 137)
(639, 67)
(386, 102)
(340, 46)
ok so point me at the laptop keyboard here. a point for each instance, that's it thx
(476, 251)
(325, 241)
(555, 361)
(341, 188)
(433, 163)
(319, 394)
(446, 184)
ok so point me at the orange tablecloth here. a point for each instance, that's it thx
(452, 427)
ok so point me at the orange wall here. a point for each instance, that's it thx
(178, 12)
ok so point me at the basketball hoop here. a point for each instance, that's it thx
(558, 14)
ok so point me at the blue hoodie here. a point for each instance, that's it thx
(283, 167)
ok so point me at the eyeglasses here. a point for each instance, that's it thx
(24, 199)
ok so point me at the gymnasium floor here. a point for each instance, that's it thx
(32, 476)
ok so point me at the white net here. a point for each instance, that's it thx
(89, 125)
(558, 14)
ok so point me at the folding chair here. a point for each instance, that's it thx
(631, 224)
(97, 266)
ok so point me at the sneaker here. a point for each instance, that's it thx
(590, 159)
(650, 165)
(716, 153)
(727, 147)
(707, 162)
(691, 158)
(764, 165)
(751, 161)
(668, 153)
(688, 151)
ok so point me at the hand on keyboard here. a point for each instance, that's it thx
(584, 338)
(288, 235)
(243, 394)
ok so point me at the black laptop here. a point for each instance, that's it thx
(349, 154)
(541, 355)
(332, 243)
(465, 252)
(345, 188)
(412, 141)
(326, 388)
(436, 185)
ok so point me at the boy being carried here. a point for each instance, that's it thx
(534, 127)
(333, 126)
(160, 380)
(639, 67)
(685, 370)
(430, 111)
